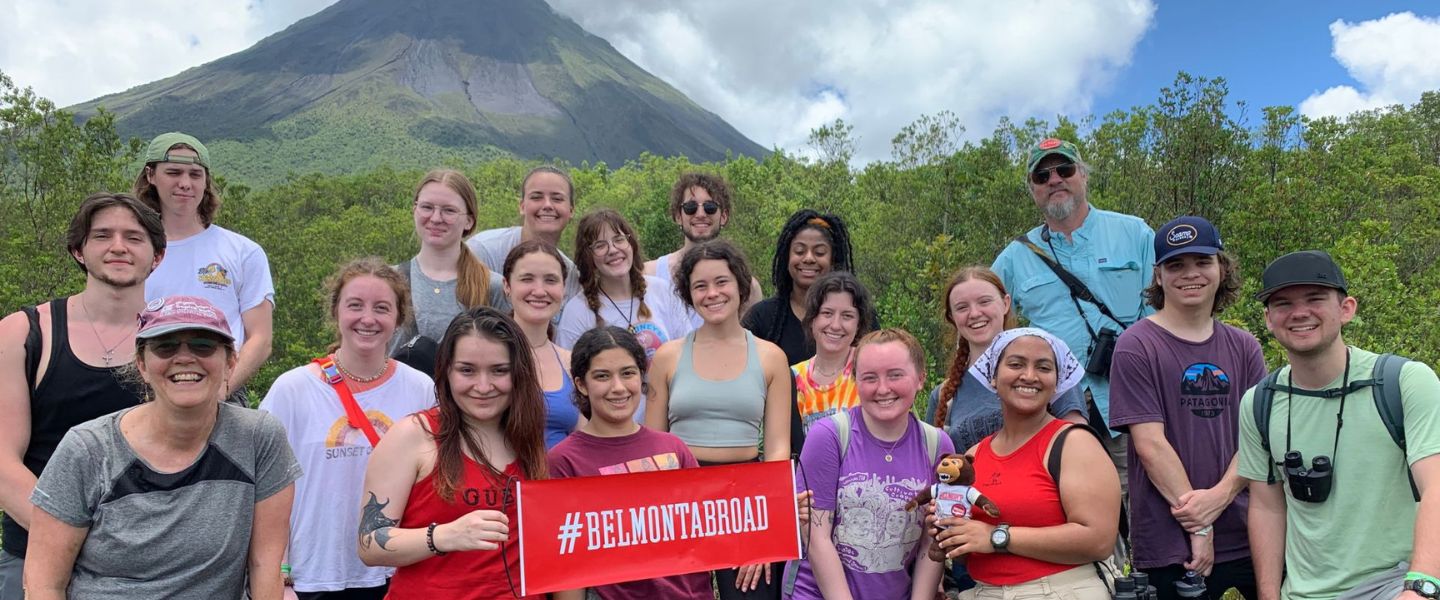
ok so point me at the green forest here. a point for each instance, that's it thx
(1363, 188)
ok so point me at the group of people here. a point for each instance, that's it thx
(133, 467)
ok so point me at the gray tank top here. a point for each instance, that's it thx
(717, 414)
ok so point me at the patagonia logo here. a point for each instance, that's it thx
(1181, 235)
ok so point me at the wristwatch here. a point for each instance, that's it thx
(1000, 538)
(1424, 587)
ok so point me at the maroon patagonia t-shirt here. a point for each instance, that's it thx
(1195, 390)
(582, 454)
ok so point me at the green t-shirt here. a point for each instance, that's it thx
(1367, 524)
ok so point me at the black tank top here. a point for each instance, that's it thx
(71, 393)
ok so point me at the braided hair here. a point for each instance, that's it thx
(835, 233)
(588, 233)
(955, 373)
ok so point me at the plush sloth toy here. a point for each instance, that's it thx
(956, 492)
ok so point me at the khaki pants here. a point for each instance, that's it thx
(1079, 583)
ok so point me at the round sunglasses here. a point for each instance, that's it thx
(691, 207)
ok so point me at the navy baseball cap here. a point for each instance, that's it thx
(1307, 267)
(1186, 235)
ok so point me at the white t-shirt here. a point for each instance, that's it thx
(667, 320)
(218, 265)
(492, 245)
(323, 552)
(662, 271)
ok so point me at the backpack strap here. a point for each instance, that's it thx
(932, 441)
(842, 431)
(1264, 398)
(1390, 405)
(32, 347)
(1052, 462)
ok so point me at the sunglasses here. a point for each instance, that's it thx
(200, 347)
(690, 207)
(1042, 176)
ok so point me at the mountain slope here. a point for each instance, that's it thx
(419, 82)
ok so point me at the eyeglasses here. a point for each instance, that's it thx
(200, 347)
(691, 206)
(447, 213)
(1042, 176)
(601, 246)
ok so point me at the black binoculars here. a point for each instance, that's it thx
(1102, 351)
(1309, 485)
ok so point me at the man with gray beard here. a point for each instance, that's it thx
(1107, 258)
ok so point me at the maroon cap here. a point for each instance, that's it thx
(181, 313)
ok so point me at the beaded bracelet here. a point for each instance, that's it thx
(430, 540)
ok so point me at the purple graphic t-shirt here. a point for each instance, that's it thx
(1194, 388)
(878, 540)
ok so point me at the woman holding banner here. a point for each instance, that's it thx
(330, 409)
(439, 491)
(863, 465)
(609, 365)
(720, 406)
(1059, 497)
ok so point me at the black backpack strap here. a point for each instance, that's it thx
(1388, 402)
(1078, 290)
(1264, 398)
(1052, 462)
(32, 347)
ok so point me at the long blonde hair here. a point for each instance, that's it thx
(472, 281)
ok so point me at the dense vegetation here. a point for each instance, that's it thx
(1363, 188)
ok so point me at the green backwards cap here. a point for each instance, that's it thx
(159, 150)
(1049, 146)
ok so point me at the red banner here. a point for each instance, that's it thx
(586, 531)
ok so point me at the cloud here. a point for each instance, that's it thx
(77, 50)
(1392, 58)
(774, 70)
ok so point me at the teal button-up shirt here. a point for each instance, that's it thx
(1113, 254)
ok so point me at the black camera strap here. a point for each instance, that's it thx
(1078, 290)
(1344, 390)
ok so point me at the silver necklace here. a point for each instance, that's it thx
(357, 378)
(837, 369)
(889, 454)
(109, 351)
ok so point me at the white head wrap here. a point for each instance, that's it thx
(1068, 371)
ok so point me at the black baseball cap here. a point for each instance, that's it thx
(1306, 267)
(1186, 235)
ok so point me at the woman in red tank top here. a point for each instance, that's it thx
(439, 490)
(1051, 528)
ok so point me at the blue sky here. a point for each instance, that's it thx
(778, 70)
(1269, 52)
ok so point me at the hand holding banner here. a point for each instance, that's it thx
(586, 531)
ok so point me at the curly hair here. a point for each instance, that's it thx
(712, 184)
(716, 249)
(1225, 294)
(835, 233)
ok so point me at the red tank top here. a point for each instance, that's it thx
(473, 575)
(1020, 485)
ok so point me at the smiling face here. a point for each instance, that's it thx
(613, 386)
(545, 203)
(479, 379)
(1189, 280)
(700, 226)
(441, 218)
(535, 288)
(1306, 319)
(977, 310)
(183, 377)
(366, 314)
(117, 250)
(1026, 375)
(613, 253)
(180, 186)
(1059, 197)
(888, 381)
(714, 292)
(809, 258)
(836, 323)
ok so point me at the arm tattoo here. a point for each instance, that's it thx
(825, 517)
(373, 521)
